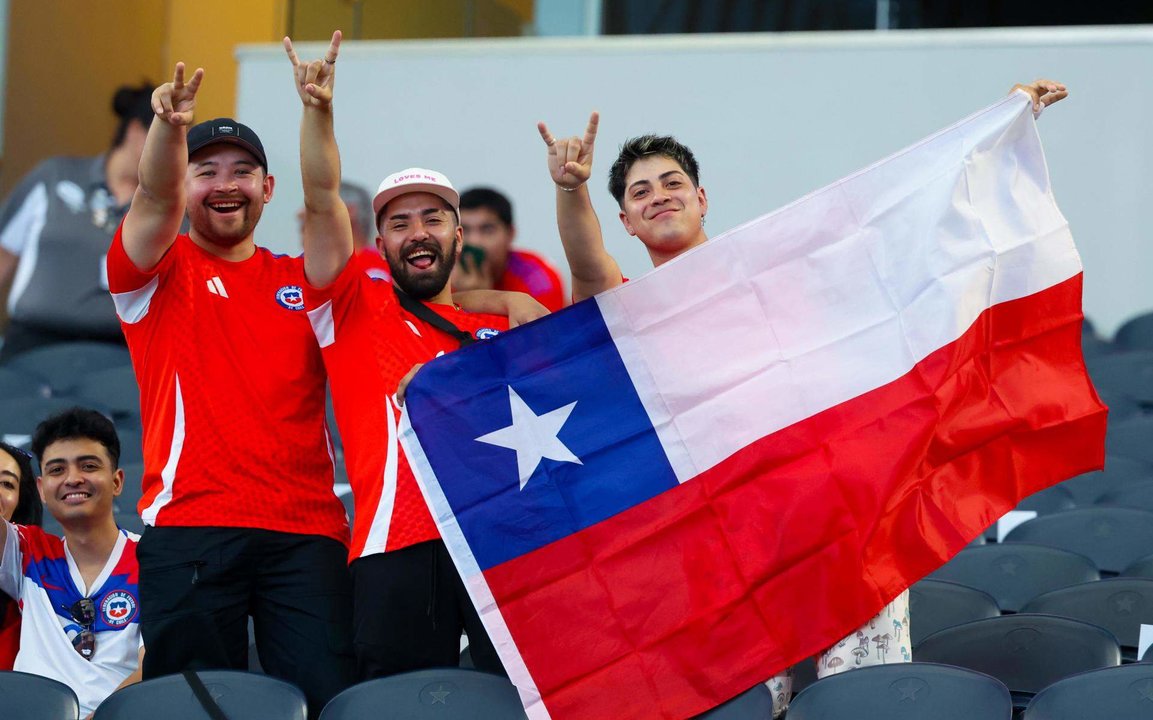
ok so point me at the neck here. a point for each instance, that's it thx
(444, 297)
(242, 250)
(660, 257)
(91, 542)
(121, 174)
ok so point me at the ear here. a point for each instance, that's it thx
(380, 245)
(269, 185)
(458, 243)
(703, 200)
(118, 482)
(628, 225)
(40, 488)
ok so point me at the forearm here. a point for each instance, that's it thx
(327, 231)
(163, 165)
(593, 269)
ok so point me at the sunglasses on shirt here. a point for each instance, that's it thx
(83, 613)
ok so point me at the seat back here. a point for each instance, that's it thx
(936, 604)
(442, 693)
(1015, 573)
(1135, 333)
(240, 695)
(24, 696)
(1111, 537)
(904, 691)
(1027, 652)
(1117, 693)
(1120, 605)
(64, 365)
(1119, 472)
(754, 703)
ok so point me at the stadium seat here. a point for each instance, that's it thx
(1120, 605)
(1139, 495)
(935, 605)
(1136, 333)
(131, 446)
(22, 415)
(1048, 501)
(19, 383)
(1115, 693)
(114, 388)
(1015, 573)
(754, 703)
(442, 693)
(1129, 372)
(130, 496)
(905, 691)
(1026, 652)
(1110, 537)
(240, 695)
(1119, 472)
(1141, 567)
(64, 365)
(1121, 406)
(1131, 438)
(24, 696)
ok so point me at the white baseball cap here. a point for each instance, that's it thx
(415, 180)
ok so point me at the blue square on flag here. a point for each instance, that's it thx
(543, 435)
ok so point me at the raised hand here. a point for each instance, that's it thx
(570, 160)
(175, 102)
(1043, 92)
(314, 80)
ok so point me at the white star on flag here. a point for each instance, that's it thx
(534, 437)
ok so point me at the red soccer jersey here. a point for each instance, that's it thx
(369, 343)
(231, 392)
(530, 273)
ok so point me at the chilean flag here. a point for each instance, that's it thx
(661, 497)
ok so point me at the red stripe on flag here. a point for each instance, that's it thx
(680, 603)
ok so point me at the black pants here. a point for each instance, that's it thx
(198, 585)
(409, 609)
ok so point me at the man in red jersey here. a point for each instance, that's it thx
(489, 259)
(238, 502)
(409, 602)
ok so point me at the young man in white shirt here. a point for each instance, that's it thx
(78, 594)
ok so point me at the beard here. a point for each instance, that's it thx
(421, 284)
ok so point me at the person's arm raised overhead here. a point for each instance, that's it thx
(157, 208)
(327, 229)
(570, 163)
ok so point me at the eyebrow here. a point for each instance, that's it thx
(210, 161)
(10, 474)
(423, 213)
(81, 458)
(662, 177)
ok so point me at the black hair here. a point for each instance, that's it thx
(77, 423)
(132, 103)
(484, 197)
(636, 148)
(29, 509)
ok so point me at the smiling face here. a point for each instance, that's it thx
(663, 208)
(79, 481)
(226, 191)
(420, 239)
(9, 485)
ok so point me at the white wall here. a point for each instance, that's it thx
(770, 118)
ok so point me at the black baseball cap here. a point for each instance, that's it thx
(226, 130)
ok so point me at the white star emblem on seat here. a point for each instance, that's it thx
(533, 437)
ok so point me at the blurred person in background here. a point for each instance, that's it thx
(55, 229)
(488, 260)
(20, 505)
(359, 203)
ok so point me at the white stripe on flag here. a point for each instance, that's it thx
(469, 569)
(897, 260)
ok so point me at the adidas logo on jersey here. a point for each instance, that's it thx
(216, 287)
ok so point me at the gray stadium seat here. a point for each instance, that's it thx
(1121, 406)
(1120, 605)
(1138, 496)
(1055, 498)
(131, 446)
(64, 365)
(935, 605)
(1015, 573)
(754, 703)
(240, 695)
(1136, 333)
(442, 693)
(1128, 372)
(128, 499)
(905, 691)
(1141, 567)
(114, 388)
(1111, 537)
(1119, 472)
(24, 696)
(1026, 652)
(1115, 693)
(1131, 438)
(22, 415)
(19, 383)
